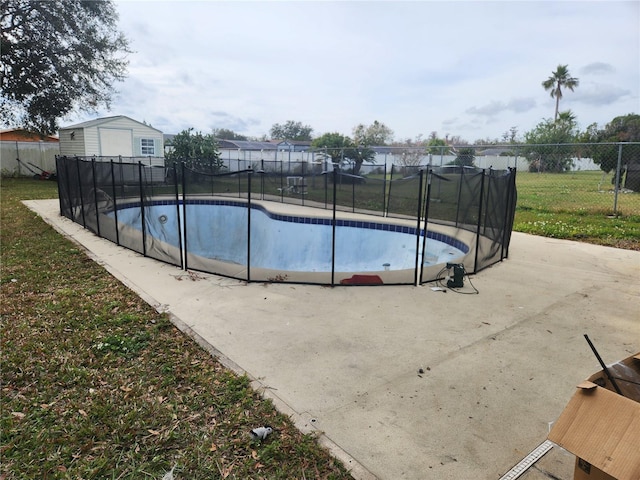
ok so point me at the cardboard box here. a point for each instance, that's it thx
(601, 427)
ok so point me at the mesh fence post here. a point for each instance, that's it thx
(333, 227)
(84, 223)
(508, 214)
(459, 195)
(303, 187)
(70, 197)
(115, 205)
(175, 188)
(427, 199)
(144, 229)
(480, 207)
(58, 169)
(261, 179)
(617, 180)
(248, 226)
(95, 194)
(418, 215)
(384, 189)
(389, 194)
(184, 215)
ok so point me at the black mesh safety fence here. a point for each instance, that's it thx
(124, 203)
(216, 215)
(404, 191)
(471, 210)
(369, 227)
(65, 190)
(496, 214)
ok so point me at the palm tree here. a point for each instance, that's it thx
(558, 80)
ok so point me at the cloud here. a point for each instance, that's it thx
(231, 122)
(597, 68)
(517, 105)
(599, 94)
(305, 61)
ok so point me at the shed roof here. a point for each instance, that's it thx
(101, 121)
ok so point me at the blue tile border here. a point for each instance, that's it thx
(387, 227)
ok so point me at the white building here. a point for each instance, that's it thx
(117, 136)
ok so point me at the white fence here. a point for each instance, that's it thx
(35, 157)
(236, 160)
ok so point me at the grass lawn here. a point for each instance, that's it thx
(97, 384)
(577, 206)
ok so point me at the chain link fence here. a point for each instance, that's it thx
(599, 178)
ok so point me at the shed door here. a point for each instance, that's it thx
(115, 141)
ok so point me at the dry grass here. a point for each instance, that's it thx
(97, 384)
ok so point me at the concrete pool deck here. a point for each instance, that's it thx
(344, 362)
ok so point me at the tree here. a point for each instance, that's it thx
(359, 154)
(625, 128)
(437, 146)
(332, 145)
(339, 148)
(546, 151)
(57, 57)
(199, 152)
(465, 156)
(291, 131)
(226, 134)
(376, 134)
(556, 82)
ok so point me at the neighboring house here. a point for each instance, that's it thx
(117, 136)
(245, 145)
(21, 135)
(27, 153)
(294, 145)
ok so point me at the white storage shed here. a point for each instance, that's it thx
(117, 136)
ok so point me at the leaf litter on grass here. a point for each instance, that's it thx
(97, 384)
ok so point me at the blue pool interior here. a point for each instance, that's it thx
(218, 229)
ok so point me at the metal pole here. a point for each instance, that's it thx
(262, 179)
(69, 196)
(333, 234)
(115, 207)
(18, 158)
(184, 215)
(389, 195)
(459, 196)
(418, 217)
(617, 188)
(95, 195)
(508, 214)
(384, 188)
(604, 367)
(60, 193)
(175, 185)
(353, 193)
(475, 262)
(426, 221)
(249, 227)
(144, 230)
(84, 224)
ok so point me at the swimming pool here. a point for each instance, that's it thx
(219, 230)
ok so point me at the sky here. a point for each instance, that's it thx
(472, 69)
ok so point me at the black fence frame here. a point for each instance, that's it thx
(480, 202)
